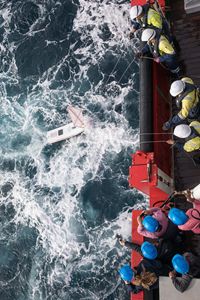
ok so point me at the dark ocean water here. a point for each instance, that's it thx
(61, 205)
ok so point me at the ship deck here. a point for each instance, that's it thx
(186, 29)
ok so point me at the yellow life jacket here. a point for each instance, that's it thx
(160, 46)
(165, 47)
(154, 18)
(188, 100)
(193, 143)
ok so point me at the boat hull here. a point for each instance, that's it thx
(63, 133)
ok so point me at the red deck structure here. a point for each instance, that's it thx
(142, 2)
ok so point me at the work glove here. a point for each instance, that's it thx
(122, 242)
(157, 60)
(170, 142)
(166, 126)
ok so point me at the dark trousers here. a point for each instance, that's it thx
(171, 63)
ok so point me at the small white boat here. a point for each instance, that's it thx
(70, 130)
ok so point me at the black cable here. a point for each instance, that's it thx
(167, 200)
(164, 202)
(194, 209)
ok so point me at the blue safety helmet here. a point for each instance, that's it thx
(150, 224)
(126, 273)
(180, 264)
(177, 216)
(149, 251)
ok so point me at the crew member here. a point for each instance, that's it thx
(160, 48)
(144, 277)
(127, 275)
(187, 100)
(187, 221)
(154, 224)
(163, 250)
(190, 135)
(143, 16)
(188, 265)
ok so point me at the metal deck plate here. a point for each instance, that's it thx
(168, 291)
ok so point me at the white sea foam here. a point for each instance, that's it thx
(50, 201)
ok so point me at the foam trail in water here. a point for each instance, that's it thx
(66, 201)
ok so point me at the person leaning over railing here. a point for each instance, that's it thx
(153, 223)
(189, 139)
(160, 48)
(137, 280)
(186, 95)
(161, 249)
(143, 16)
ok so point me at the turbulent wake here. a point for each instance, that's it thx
(61, 205)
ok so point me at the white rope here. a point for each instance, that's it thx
(115, 66)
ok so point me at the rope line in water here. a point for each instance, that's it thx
(126, 70)
(114, 68)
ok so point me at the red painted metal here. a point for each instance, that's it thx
(142, 2)
(138, 172)
(138, 2)
(143, 175)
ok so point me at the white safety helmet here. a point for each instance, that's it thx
(177, 87)
(135, 11)
(182, 131)
(148, 34)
